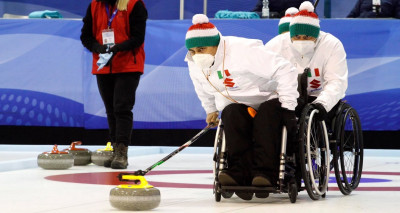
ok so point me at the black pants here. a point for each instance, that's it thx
(253, 144)
(118, 93)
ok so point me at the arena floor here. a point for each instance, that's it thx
(185, 182)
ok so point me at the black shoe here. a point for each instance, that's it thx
(245, 195)
(121, 157)
(226, 179)
(261, 181)
(262, 194)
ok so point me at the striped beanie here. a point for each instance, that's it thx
(305, 22)
(285, 20)
(202, 33)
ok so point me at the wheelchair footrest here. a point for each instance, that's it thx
(250, 189)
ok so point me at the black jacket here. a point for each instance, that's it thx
(363, 9)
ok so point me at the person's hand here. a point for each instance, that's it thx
(322, 114)
(212, 119)
(100, 48)
(114, 49)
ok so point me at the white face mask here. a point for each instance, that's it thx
(304, 47)
(203, 61)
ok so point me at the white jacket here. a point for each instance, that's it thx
(254, 75)
(329, 61)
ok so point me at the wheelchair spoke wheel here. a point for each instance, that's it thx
(314, 153)
(350, 151)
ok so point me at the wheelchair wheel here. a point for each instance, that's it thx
(219, 151)
(292, 192)
(314, 154)
(348, 159)
(219, 162)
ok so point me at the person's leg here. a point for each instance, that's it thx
(105, 84)
(267, 134)
(124, 100)
(238, 127)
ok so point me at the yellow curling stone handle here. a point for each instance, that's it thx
(143, 182)
(108, 147)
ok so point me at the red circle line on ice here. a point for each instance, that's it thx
(111, 178)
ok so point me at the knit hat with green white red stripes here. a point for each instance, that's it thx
(305, 22)
(285, 20)
(202, 33)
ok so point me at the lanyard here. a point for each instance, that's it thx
(110, 19)
(223, 68)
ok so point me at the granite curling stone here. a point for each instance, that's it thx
(55, 159)
(102, 155)
(81, 156)
(135, 197)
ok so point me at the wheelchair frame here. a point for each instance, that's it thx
(285, 170)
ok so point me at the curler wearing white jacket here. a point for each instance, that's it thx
(328, 78)
(244, 72)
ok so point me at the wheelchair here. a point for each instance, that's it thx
(315, 140)
(347, 147)
(345, 139)
(313, 158)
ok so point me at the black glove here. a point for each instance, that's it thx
(322, 114)
(114, 49)
(100, 48)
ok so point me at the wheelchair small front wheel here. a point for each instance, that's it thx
(292, 192)
(217, 192)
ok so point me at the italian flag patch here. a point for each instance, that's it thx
(313, 74)
(220, 74)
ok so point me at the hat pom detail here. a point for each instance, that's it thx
(307, 6)
(291, 11)
(200, 19)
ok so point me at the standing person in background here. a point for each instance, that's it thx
(277, 7)
(117, 28)
(376, 9)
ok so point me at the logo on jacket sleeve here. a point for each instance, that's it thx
(314, 74)
(315, 84)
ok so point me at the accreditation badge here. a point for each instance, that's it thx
(108, 37)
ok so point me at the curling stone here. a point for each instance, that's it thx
(102, 155)
(81, 156)
(135, 197)
(55, 159)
